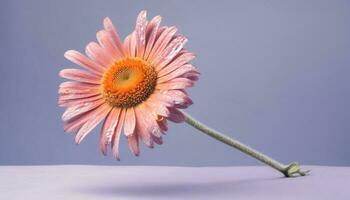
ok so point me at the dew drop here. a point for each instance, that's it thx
(177, 102)
(156, 132)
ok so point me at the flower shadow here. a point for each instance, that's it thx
(181, 189)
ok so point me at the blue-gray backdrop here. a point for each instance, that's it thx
(275, 74)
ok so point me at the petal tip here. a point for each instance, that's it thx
(158, 18)
(116, 156)
(91, 44)
(68, 53)
(103, 150)
(106, 20)
(143, 13)
(61, 73)
(78, 139)
(99, 33)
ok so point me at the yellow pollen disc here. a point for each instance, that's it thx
(128, 82)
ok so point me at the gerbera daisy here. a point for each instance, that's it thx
(134, 86)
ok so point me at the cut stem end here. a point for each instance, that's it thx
(294, 170)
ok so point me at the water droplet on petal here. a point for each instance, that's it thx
(177, 102)
(156, 132)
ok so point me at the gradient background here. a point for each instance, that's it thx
(275, 75)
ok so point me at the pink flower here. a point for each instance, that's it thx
(134, 86)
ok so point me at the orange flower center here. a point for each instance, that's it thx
(128, 82)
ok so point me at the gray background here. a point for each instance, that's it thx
(275, 74)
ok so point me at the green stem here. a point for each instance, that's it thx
(290, 170)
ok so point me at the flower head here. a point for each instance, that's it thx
(134, 86)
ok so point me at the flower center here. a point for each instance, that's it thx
(128, 82)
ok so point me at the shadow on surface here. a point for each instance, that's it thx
(178, 189)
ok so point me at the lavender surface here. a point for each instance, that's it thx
(137, 182)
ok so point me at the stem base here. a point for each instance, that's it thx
(293, 170)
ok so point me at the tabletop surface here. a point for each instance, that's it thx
(159, 182)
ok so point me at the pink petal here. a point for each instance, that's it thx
(130, 122)
(95, 52)
(185, 104)
(161, 42)
(158, 108)
(162, 97)
(150, 120)
(110, 28)
(133, 142)
(69, 87)
(72, 84)
(92, 123)
(107, 43)
(193, 75)
(84, 61)
(177, 73)
(108, 129)
(163, 124)
(181, 59)
(176, 116)
(151, 32)
(69, 97)
(180, 98)
(157, 140)
(142, 127)
(160, 31)
(80, 76)
(73, 101)
(117, 133)
(127, 44)
(74, 124)
(177, 83)
(79, 109)
(171, 50)
(133, 44)
(140, 30)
